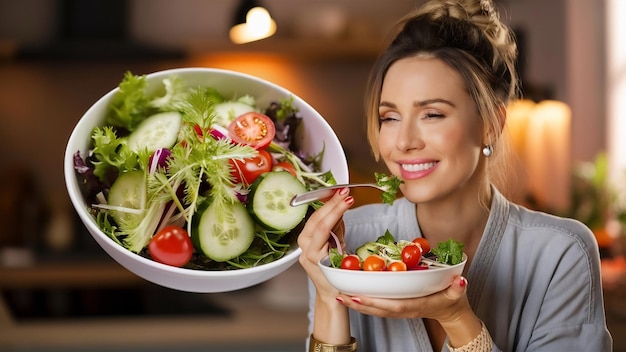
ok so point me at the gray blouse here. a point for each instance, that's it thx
(534, 281)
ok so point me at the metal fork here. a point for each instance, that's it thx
(325, 192)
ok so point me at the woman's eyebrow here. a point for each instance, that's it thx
(432, 101)
(385, 104)
(418, 103)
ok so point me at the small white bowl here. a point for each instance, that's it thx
(316, 135)
(391, 284)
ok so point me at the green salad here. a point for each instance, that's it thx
(192, 178)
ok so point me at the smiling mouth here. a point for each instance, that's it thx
(418, 167)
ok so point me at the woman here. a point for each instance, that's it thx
(437, 109)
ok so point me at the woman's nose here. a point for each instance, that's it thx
(409, 137)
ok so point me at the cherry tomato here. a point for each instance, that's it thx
(252, 128)
(287, 166)
(374, 263)
(351, 262)
(411, 255)
(247, 170)
(171, 246)
(397, 266)
(422, 242)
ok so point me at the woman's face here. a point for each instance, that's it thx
(430, 134)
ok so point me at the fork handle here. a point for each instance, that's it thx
(307, 197)
(322, 193)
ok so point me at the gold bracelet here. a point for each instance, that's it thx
(481, 343)
(318, 346)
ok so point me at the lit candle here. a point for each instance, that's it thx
(548, 155)
(518, 113)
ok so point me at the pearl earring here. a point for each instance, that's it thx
(487, 150)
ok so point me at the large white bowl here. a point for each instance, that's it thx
(317, 135)
(391, 284)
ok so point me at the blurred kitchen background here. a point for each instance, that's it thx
(60, 292)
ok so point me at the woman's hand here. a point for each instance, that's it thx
(313, 240)
(449, 306)
(331, 322)
(443, 305)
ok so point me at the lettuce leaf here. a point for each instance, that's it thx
(386, 239)
(130, 105)
(391, 185)
(335, 257)
(176, 91)
(449, 252)
(111, 154)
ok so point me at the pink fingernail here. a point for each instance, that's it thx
(339, 299)
(356, 300)
(349, 200)
(344, 191)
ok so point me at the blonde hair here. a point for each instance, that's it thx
(469, 37)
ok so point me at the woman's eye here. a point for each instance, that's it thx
(434, 115)
(384, 119)
(388, 116)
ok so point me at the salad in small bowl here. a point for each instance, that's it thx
(184, 176)
(387, 268)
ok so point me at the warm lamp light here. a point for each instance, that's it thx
(252, 22)
(517, 117)
(548, 154)
(518, 113)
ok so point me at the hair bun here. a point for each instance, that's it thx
(488, 10)
(481, 13)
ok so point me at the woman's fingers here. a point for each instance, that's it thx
(313, 240)
(457, 290)
(323, 220)
(440, 305)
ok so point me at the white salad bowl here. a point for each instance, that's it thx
(316, 135)
(391, 284)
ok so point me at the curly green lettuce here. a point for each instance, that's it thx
(391, 185)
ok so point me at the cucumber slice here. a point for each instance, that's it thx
(269, 197)
(227, 111)
(223, 231)
(366, 250)
(157, 131)
(128, 191)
